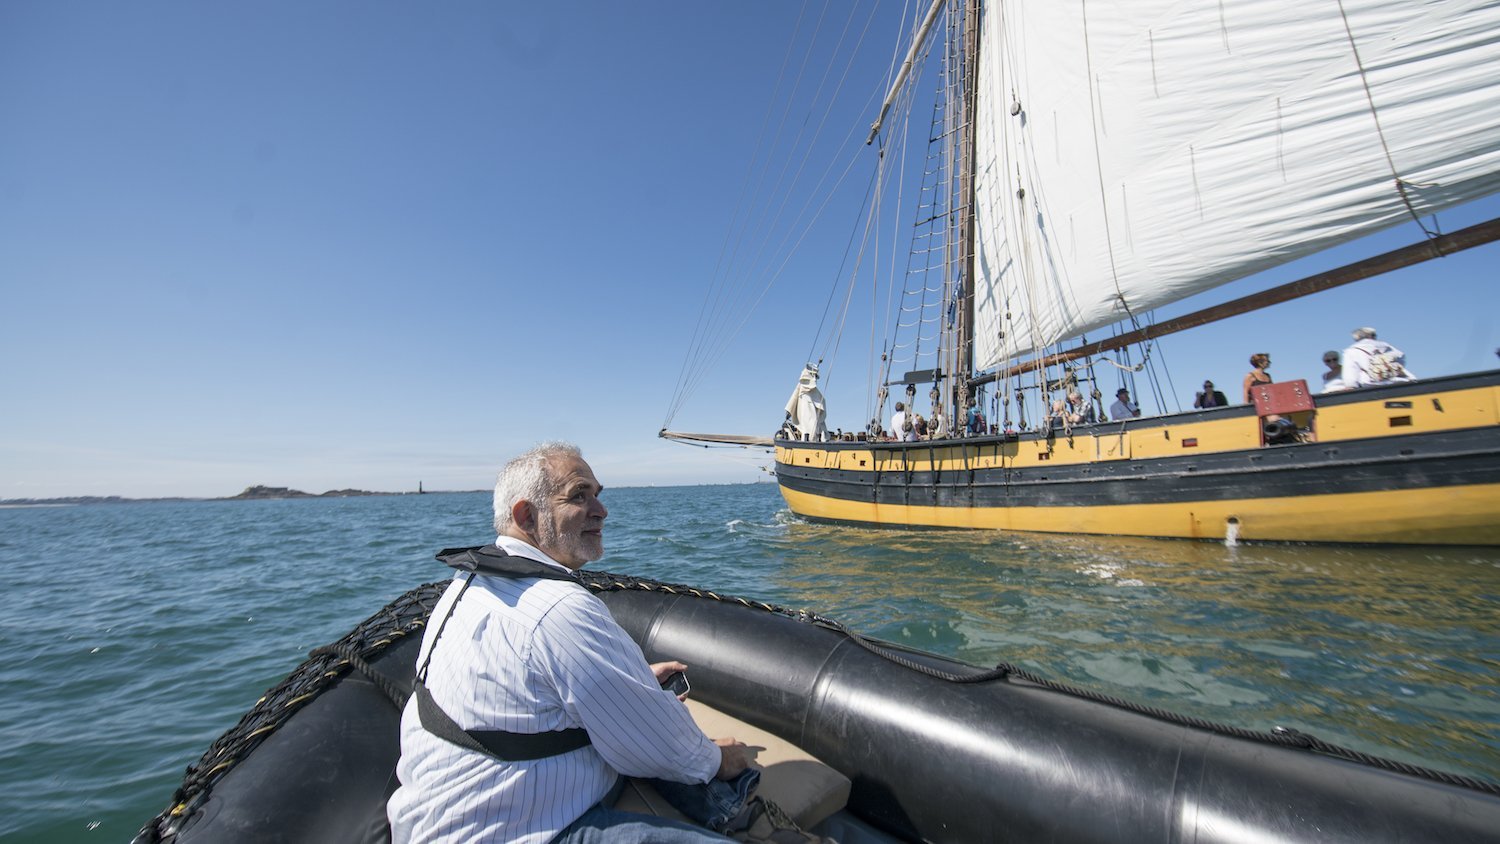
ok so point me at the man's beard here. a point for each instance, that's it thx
(565, 548)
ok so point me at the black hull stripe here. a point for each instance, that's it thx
(1420, 461)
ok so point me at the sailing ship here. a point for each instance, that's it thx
(1090, 162)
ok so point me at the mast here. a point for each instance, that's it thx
(964, 339)
(911, 57)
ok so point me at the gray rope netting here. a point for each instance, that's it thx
(408, 614)
(402, 617)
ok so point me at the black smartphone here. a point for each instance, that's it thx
(677, 683)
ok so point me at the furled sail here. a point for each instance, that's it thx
(1130, 154)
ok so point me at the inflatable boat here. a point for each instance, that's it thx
(861, 741)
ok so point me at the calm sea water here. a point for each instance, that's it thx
(137, 633)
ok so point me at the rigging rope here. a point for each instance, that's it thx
(700, 328)
(722, 302)
(1401, 184)
(1088, 60)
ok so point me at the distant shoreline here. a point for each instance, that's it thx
(264, 493)
(250, 493)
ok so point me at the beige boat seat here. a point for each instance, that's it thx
(805, 788)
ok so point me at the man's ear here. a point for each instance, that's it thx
(523, 516)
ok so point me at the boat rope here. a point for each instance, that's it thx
(731, 296)
(700, 329)
(835, 335)
(1390, 160)
(1094, 112)
(397, 695)
(922, 299)
(1004, 672)
(1170, 393)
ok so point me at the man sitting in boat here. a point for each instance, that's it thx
(534, 659)
(1371, 361)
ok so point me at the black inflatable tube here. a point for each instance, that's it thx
(1007, 761)
(323, 776)
(930, 760)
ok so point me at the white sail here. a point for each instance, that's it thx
(1164, 147)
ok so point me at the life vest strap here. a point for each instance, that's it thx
(501, 744)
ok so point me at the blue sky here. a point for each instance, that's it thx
(340, 244)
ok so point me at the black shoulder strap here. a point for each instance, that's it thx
(507, 746)
(501, 744)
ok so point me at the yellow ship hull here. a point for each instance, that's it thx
(1414, 463)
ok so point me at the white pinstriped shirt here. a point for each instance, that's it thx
(528, 656)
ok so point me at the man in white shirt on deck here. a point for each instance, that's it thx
(1123, 408)
(1372, 361)
(903, 427)
(535, 655)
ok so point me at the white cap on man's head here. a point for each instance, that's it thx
(1364, 332)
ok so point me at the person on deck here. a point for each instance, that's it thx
(1123, 408)
(1080, 412)
(937, 426)
(974, 419)
(1209, 397)
(903, 426)
(1259, 363)
(535, 654)
(1371, 361)
(1333, 378)
(1056, 417)
(805, 412)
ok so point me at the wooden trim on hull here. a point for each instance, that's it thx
(1442, 516)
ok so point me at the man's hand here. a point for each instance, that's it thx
(662, 670)
(734, 758)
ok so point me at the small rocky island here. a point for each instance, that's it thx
(266, 492)
(251, 493)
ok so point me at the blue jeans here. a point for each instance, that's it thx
(600, 825)
(713, 804)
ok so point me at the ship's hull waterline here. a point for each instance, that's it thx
(1410, 463)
